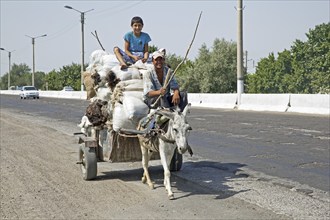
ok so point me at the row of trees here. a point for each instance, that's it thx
(302, 69)
(20, 75)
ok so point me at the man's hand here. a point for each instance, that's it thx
(162, 91)
(176, 97)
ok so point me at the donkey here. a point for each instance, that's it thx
(165, 142)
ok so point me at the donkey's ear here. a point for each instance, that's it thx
(186, 109)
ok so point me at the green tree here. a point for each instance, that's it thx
(272, 75)
(214, 70)
(53, 80)
(40, 80)
(20, 75)
(69, 75)
(311, 61)
(303, 69)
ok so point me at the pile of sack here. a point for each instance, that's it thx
(120, 90)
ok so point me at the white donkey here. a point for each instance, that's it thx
(166, 142)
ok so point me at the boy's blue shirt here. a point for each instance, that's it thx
(136, 44)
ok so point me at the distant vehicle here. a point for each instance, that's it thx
(29, 92)
(67, 88)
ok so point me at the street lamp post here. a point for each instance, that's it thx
(9, 56)
(33, 59)
(82, 19)
(240, 78)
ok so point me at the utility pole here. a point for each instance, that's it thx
(246, 62)
(240, 82)
(33, 57)
(9, 56)
(82, 20)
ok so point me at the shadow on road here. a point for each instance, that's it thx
(195, 178)
(211, 176)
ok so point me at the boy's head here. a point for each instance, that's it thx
(136, 19)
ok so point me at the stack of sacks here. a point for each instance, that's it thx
(102, 63)
(128, 105)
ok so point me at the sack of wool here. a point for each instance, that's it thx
(131, 85)
(103, 71)
(135, 94)
(109, 60)
(103, 93)
(126, 74)
(96, 58)
(135, 108)
(120, 119)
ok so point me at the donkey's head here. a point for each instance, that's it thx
(178, 128)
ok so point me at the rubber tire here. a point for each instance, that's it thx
(176, 162)
(87, 155)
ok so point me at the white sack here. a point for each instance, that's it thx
(109, 61)
(135, 94)
(127, 74)
(131, 85)
(95, 59)
(120, 119)
(103, 93)
(135, 108)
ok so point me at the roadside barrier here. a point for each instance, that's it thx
(212, 100)
(264, 102)
(298, 103)
(310, 103)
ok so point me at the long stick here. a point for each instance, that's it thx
(184, 59)
(97, 38)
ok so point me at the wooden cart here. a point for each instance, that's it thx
(104, 145)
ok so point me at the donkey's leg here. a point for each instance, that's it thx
(166, 153)
(145, 162)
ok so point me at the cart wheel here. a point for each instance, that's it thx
(88, 162)
(176, 162)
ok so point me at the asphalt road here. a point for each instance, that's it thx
(276, 161)
(285, 145)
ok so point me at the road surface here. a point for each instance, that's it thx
(39, 177)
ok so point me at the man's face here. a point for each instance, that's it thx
(158, 62)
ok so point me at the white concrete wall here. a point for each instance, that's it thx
(212, 100)
(299, 103)
(310, 103)
(265, 102)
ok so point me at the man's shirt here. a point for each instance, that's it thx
(151, 82)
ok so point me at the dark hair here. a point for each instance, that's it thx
(136, 20)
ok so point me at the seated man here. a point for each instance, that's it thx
(154, 81)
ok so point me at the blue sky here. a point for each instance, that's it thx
(268, 26)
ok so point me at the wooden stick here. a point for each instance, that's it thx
(184, 59)
(97, 37)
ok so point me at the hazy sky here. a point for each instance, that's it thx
(268, 26)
